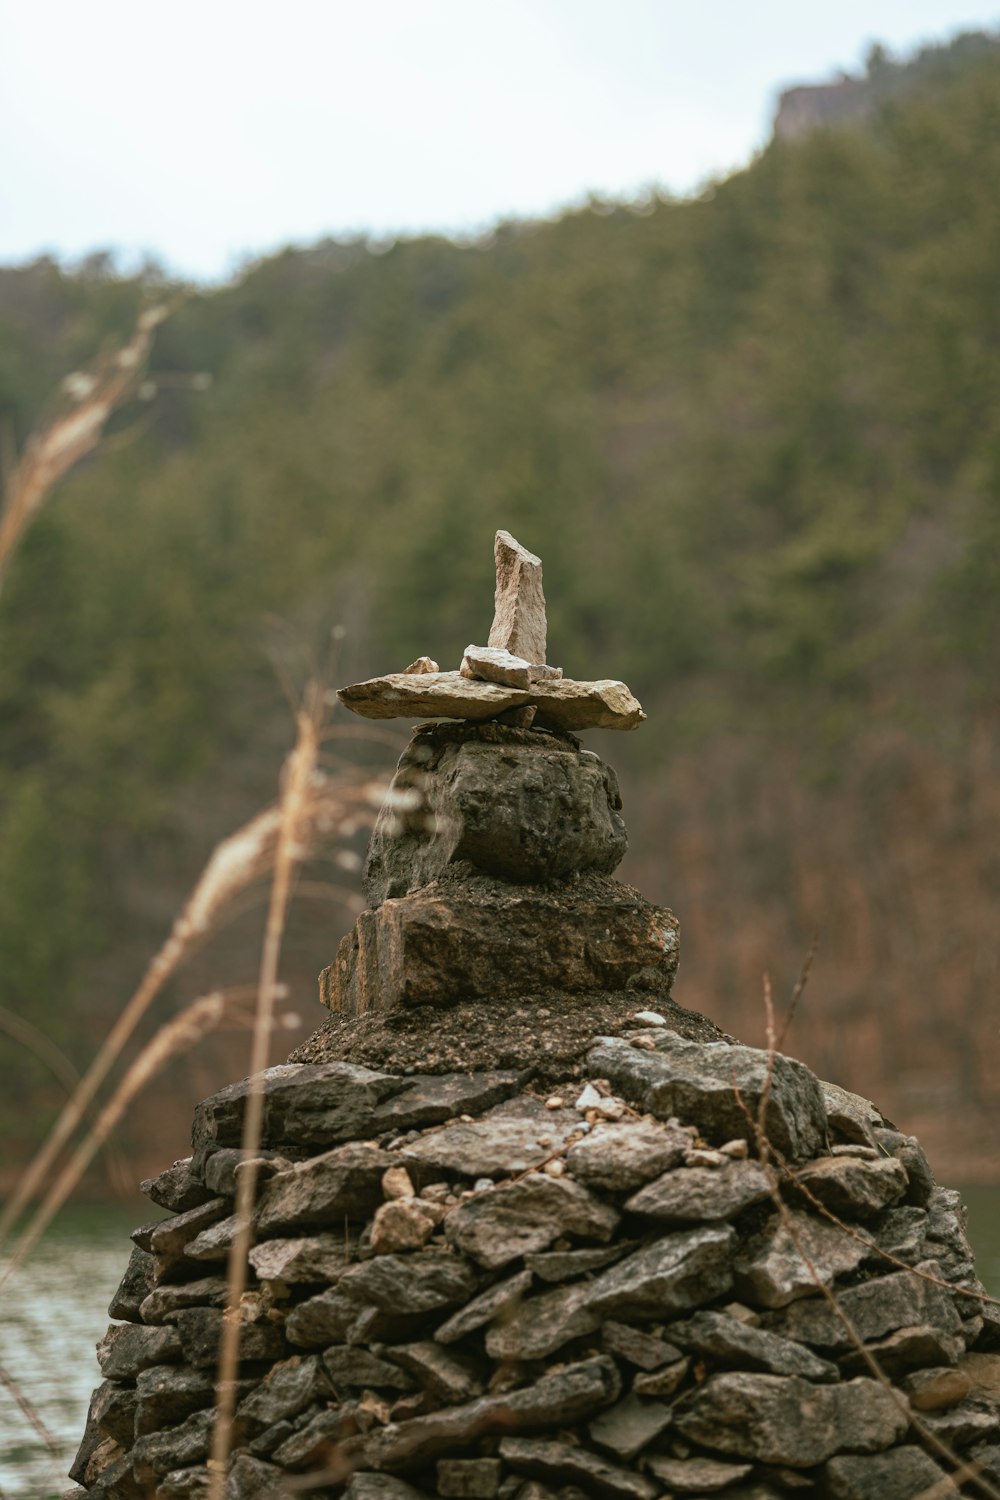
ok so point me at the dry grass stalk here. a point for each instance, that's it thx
(179, 1034)
(963, 1472)
(292, 845)
(89, 399)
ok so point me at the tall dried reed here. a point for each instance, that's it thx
(292, 844)
(87, 400)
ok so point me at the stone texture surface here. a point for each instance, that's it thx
(565, 705)
(853, 1188)
(440, 946)
(501, 1224)
(717, 1086)
(694, 1195)
(900, 1474)
(780, 1264)
(519, 603)
(530, 809)
(778, 1419)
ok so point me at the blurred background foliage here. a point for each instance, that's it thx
(755, 437)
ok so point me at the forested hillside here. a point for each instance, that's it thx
(755, 437)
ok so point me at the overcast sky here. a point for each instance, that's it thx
(204, 131)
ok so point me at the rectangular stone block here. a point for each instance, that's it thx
(426, 950)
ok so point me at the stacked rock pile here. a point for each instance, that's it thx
(467, 1288)
(526, 1228)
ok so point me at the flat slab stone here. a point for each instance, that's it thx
(621, 1157)
(734, 1343)
(345, 1183)
(501, 1224)
(573, 1394)
(304, 1104)
(497, 1301)
(676, 1273)
(564, 704)
(309, 1259)
(778, 1419)
(566, 1464)
(771, 1268)
(876, 1308)
(695, 1476)
(697, 1195)
(716, 1085)
(629, 1426)
(853, 1188)
(443, 944)
(512, 1137)
(899, 1474)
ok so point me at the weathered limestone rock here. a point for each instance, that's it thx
(629, 1426)
(314, 1258)
(676, 1273)
(321, 1103)
(899, 1474)
(498, 1299)
(696, 1476)
(497, 1226)
(441, 944)
(619, 1157)
(695, 1195)
(565, 1464)
(564, 704)
(519, 606)
(136, 1284)
(567, 1265)
(128, 1348)
(344, 1183)
(491, 664)
(779, 1419)
(531, 808)
(727, 1341)
(178, 1188)
(875, 1308)
(287, 1389)
(773, 1268)
(511, 1137)
(638, 1347)
(853, 1188)
(717, 1086)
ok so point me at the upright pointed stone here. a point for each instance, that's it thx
(519, 618)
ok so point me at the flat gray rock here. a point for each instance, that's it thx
(450, 1378)
(697, 1195)
(778, 1419)
(127, 1348)
(134, 1287)
(771, 1270)
(287, 1388)
(509, 1139)
(629, 1426)
(637, 1346)
(431, 1100)
(876, 1307)
(906, 1349)
(716, 1085)
(209, 1291)
(200, 1330)
(678, 1272)
(543, 1324)
(345, 1183)
(348, 1366)
(501, 1298)
(853, 1188)
(178, 1188)
(567, 1265)
(167, 1394)
(564, 1464)
(425, 1282)
(734, 1343)
(503, 1223)
(620, 1157)
(158, 1452)
(564, 705)
(695, 1476)
(899, 1474)
(304, 1104)
(573, 1394)
(313, 1258)
(252, 1479)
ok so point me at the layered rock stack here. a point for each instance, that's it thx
(527, 1228)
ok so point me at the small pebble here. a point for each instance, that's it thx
(397, 1183)
(611, 1109)
(698, 1156)
(649, 1018)
(555, 1168)
(643, 1042)
(554, 1101)
(589, 1098)
(739, 1150)
(482, 1184)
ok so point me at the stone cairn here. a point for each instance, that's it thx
(518, 1235)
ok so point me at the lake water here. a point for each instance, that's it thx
(48, 1341)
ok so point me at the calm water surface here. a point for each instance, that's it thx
(53, 1314)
